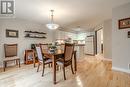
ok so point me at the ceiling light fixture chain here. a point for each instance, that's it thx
(52, 19)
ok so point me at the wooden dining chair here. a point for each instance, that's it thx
(67, 59)
(10, 54)
(42, 60)
(44, 46)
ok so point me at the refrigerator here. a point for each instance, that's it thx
(89, 45)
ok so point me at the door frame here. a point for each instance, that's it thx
(96, 39)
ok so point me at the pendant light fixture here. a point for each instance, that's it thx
(52, 25)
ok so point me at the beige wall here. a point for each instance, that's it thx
(120, 41)
(107, 39)
(23, 43)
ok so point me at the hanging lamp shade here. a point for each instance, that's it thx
(52, 25)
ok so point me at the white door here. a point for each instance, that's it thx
(99, 41)
(89, 45)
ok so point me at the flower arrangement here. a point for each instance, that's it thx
(52, 46)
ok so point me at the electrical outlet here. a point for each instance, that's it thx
(129, 66)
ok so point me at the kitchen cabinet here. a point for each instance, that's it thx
(80, 51)
(64, 35)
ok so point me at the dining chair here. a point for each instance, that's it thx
(44, 46)
(42, 60)
(10, 54)
(67, 59)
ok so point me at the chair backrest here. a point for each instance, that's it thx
(68, 51)
(10, 50)
(39, 52)
(44, 46)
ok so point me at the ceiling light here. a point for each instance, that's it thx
(52, 25)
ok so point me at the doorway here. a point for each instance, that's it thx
(99, 41)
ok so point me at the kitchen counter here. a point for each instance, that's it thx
(79, 44)
(80, 50)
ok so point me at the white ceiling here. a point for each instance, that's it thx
(85, 13)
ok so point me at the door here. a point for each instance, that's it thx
(99, 41)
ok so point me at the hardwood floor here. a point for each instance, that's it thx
(91, 72)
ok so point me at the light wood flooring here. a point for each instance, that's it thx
(92, 72)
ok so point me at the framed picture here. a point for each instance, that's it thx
(12, 33)
(124, 23)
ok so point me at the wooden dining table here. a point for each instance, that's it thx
(54, 56)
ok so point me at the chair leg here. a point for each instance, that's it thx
(72, 68)
(4, 65)
(38, 67)
(34, 62)
(64, 73)
(49, 65)
(16, 62)
(57, 67)
(19, 63)
(43, 69)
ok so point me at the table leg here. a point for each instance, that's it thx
(75, 61)
(54, 69)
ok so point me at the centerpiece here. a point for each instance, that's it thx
(52, 47)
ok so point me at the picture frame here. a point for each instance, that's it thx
(124, 23)
(12, 33)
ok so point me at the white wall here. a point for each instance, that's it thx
(107, 39)
(23, 43)
(120, 42)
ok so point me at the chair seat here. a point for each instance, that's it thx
(47, 60)
(11, 58)
(60, 61)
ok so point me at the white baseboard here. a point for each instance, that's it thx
(103, 58)
(120, 69)
(107, 59)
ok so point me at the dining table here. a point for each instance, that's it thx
(56, 54)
